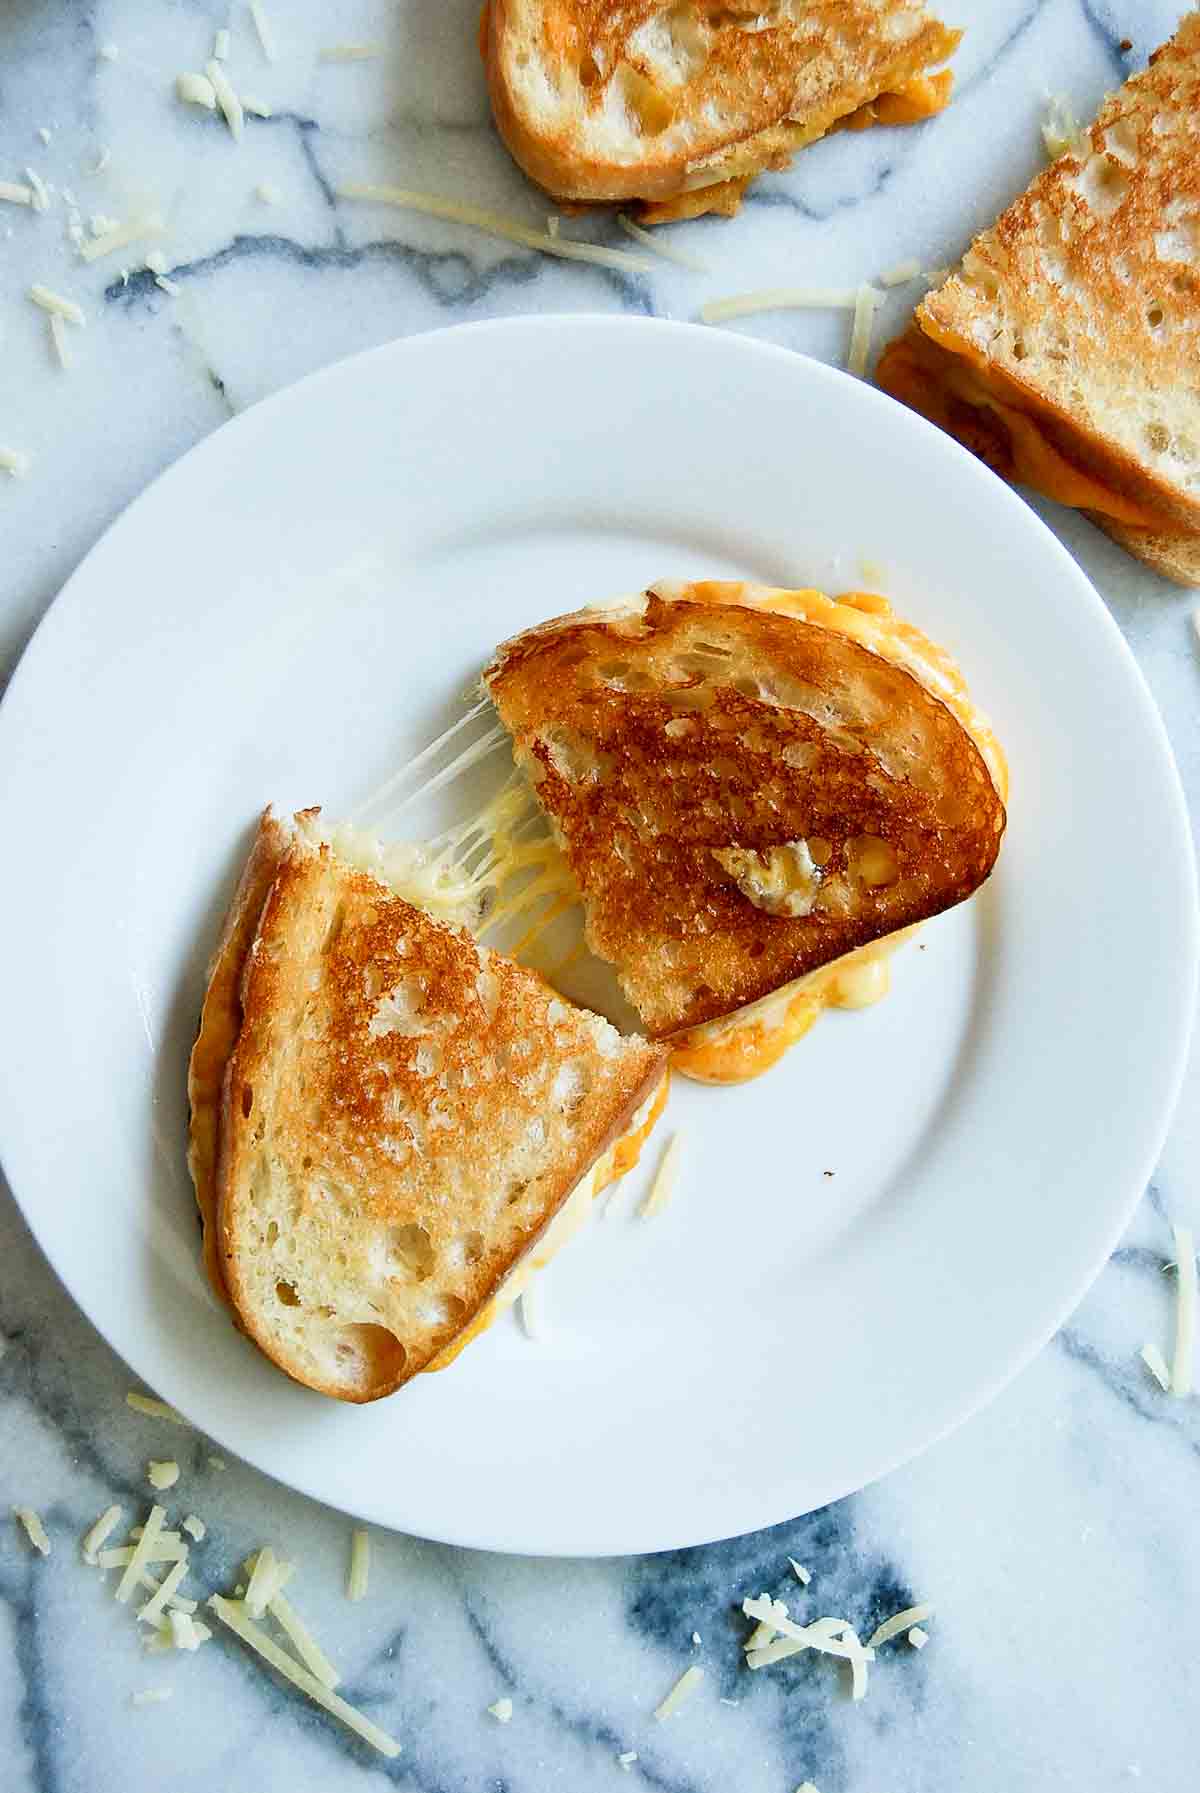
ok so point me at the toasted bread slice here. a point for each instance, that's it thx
(403, 1115)
(660, 103)
(1064, 350)
(742, 795)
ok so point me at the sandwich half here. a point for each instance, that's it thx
(678, 106)
(756, 792)
(1064, 351)
(388, 1119)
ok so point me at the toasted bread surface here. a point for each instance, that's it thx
(639, 100)
(220, 1024)
(403, 1115)
(742, 796)
(1080, 310)
(1175, 557)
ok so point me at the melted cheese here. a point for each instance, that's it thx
(922, 97)
(922, 370)
(620, 1157)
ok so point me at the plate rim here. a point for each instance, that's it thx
(73, 596)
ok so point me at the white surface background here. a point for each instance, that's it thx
(1056, 1531)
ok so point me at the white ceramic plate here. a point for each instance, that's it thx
(294, 609)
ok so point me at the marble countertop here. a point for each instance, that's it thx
(1056, 1532)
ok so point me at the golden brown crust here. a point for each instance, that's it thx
(658, 742)
(1175, 557)
(388, 1083)
(220, 1023)
(1081, 307)
(750, 99)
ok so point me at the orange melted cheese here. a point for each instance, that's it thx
(926, 365)
(922, 97)
(754, 1038)
(620, 1157)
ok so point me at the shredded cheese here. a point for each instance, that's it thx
(14, 462)
(156, 261)
(830, 1637)
(350, 52)
(627, 1758)
(186, 1634)
(100, 1532)
(768, 1626)
(153, 1409)
(175, 1601)
(494, 225)
(668, 251)
(1185, 1311)
(803, 1575)
(902, 1621)
(155, 1608)
(227, 99)
(148, 225)
(34, 1530)
(151, 1696)
(196, 90)
(683, 1690)
(806, 1787)
(15, 193)
(1156, 1363)
(918, 1638)
(779, 298)
(260, 108)
(123, 1554)
(663, 1186)
(502, 1711)
(866, 302)
(360, 1565)
(56, 305)
(1061, 131)
(531, 1311)
(269, 1575)
(41, 192)
(262, 25)
(306, 1645)
(221, 46)
(162, 1475)
(58, 340)
(231, 1613)
(171, 287)
(901, 273)
(141, 1555)
(195, 1528)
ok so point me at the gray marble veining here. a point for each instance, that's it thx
(1055, 1532)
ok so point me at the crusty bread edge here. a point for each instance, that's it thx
(1175, 557)
(257, 982)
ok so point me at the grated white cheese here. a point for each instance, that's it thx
(58, 340)
(779, 298)
(150, 224)
(232, 1614)
(34, 1530)
(141, 1555)
(866, 303)
(767, 1627)
(696, 1640)
(806, 1787)
(360, 1564)
(151, 1696)
(349, 52)
(668, 251)
(531, 1311)
(1061, 130)
(307, 1647)
(45, 133)
(122, 1555)
(918, 1638)
(196, 90)
(195, 1528)
(57, 306)
(268, 192)
(803, 1575)
(227, 99)
(186, 1634)
(627, 1758)
(502, 1711)
(14, 462)
(1156, 1363)
(41, 192)
(172, 287)
(15, 193)
(902, 1621)
(175, 1601)
(901, 273)
(153, 1611)
(683, 1690)
(156, 261)
(268, 1576)
(510, 229)
(163, 1474)
(1185, 1310)
(221, 46)
(829, 1637)
(262, 25)
(260, 108)
(666, 1178)
(153, 1409)
(100, 1532)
